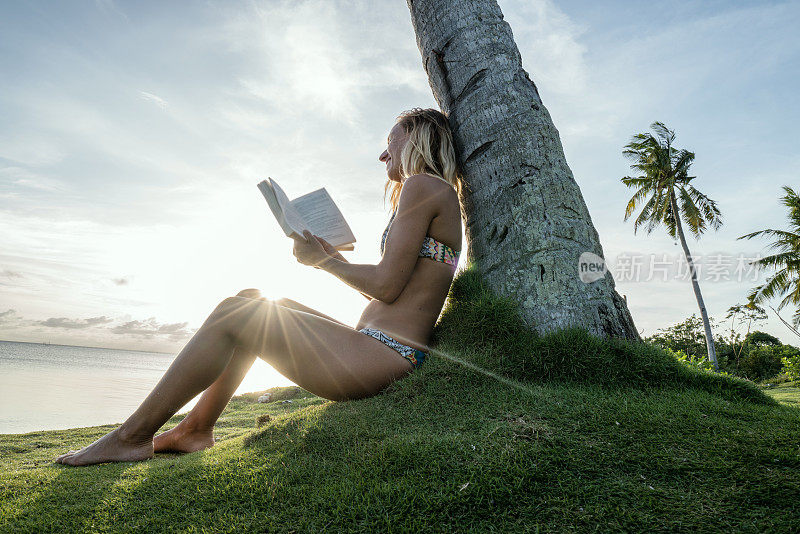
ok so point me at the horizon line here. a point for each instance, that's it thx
(82, 346)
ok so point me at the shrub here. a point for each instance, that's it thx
(761, 362)
(687, 336)
(726, 355)
(791, 362)
(698, 362)
(761, 339)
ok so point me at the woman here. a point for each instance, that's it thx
(406, 290)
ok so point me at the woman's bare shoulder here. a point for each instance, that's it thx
(432, 178)
(439, 187)
(446, 209)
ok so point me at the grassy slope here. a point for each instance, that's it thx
(786, 393)
(452, 448)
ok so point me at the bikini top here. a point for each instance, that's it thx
(431, 248)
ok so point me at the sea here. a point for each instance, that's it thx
(53, 387)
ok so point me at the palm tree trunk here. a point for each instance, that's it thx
(527, 224)
(712, 351)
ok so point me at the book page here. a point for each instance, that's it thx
(323, 217)
(290, 212)
(274, 205)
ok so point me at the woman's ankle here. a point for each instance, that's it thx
(131, 436)
(189, 425)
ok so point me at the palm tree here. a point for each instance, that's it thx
(786, 281)
(668, 197)
(527, 224)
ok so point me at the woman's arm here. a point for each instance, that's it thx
(363, 278)
(331, 250)
(342, 258)
(386, 280)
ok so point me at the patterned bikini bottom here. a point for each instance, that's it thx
(415, 356)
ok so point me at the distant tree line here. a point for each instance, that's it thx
(754, 355)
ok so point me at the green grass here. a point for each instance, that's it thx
(478, 439)
(786, 393)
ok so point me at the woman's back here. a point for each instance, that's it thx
(411, 316)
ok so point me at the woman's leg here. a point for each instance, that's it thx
(324, 357)
(202, 360)
(196, 431)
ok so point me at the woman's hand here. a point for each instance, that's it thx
(330, 249)
(311, 251)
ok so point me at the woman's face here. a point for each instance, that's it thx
(391, 156)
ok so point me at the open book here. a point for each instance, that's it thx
(315, 211)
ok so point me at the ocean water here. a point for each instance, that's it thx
(50, 387)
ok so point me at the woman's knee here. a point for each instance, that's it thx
(252, 293)
(231, 308)
(239, 301)
(233, 312)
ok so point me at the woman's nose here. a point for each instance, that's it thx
(383, 155)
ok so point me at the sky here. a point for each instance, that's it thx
(132, 136)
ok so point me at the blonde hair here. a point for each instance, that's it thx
(430, 149)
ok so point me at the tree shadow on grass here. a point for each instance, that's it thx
(55, 497)
(155, 494)
(499, 428)
(453, 448)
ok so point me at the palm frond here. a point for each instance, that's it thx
(659, 167)
(691, 213)
(792, 201)
(788, 241)
(786, 281)
(788, 260)
(663, 132)
(776, 285)
(635, 200)
(708, 207)
(667, 216)
(637, 181)
(646, 215)
(683, 161)
(639, 145)
(793, 297)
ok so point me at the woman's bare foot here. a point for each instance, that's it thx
(110, 448)
(180, 439)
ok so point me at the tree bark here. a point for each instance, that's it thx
(712, 351)
(526, 221)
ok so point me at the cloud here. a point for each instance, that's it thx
(157, 100)
(315, 57)
(308, 62)
(110, 8)
(30, 150)
(22, 177)
(98, 320)
(549, 44)
(72, 324)
(12, 320)
(150, 328)
(277, 86)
